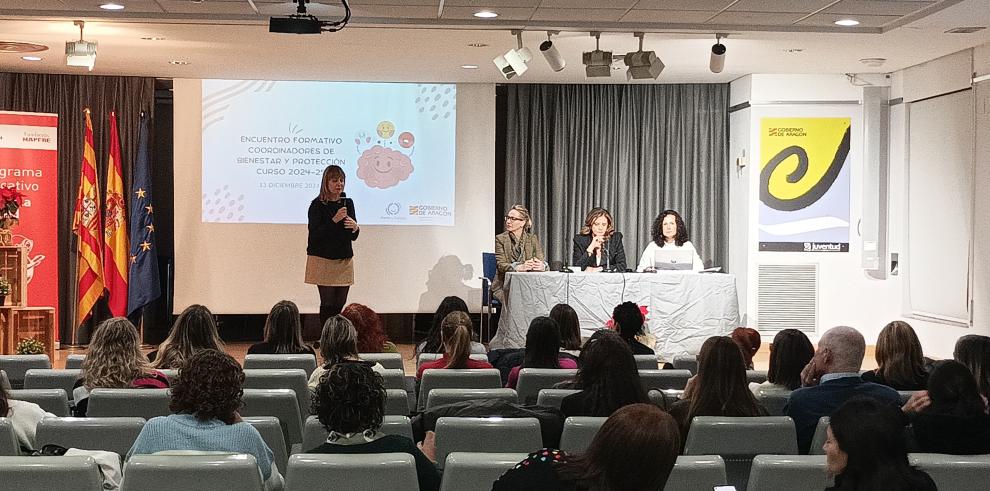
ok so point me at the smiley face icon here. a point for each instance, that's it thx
(386, 129)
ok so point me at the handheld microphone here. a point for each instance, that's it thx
(608, 253)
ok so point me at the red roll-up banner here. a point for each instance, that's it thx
(29, 164)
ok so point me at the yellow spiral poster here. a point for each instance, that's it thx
(804, 184)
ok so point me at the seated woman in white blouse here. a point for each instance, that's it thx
(668, 231)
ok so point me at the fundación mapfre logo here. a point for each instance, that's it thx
(36, 137)
(392, 208)
(429, 211)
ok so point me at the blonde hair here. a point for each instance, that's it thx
(193, 331)
(456, 331)
(525, 214)
(332, 172)
(114, 359)
(593, 215)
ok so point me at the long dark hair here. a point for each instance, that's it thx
(635, 449)
(657, 229)
(722, 388)
(570, 328)
(871, 433)
(899, 356)
(953, 391)
(628, 319)
(608, 374)
(434, 339)
(542, 344)
(283, 329)
(790, 352)
(194, 330)
(973, 350)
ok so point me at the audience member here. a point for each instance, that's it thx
(283, 332)
(952, 418)
(719, 388)
(542, 349)
(456, 330)
(748, 340)
(790, 352)
(570, 328)
(114, 361)
(629, 324)
(636, 448)
(338, 344)
(433, 342)
(24, 417)
(830, 379)
(608, 378)
(973, 350)
(901, 364)
(371, 336)
(205, 401)
(350, 403)
(194, 330)
(865, 449)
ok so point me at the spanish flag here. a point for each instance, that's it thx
(115, 249)
(86, 225)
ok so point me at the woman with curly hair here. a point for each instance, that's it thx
(350, 403)
(114, 361)
(371, 336)
(608, 378)
(669, 232)
(194, 330)
(283, 332)
(205, 401)
(338, 344)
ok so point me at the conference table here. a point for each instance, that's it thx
(683, 308)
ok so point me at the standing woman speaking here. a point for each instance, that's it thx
(332, 228)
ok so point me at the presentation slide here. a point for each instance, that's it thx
(265, 145)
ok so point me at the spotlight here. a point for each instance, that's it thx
(597, 63)
(717, 62)
(550, 53)
(514, 62)
(642, 64)
(80, 53)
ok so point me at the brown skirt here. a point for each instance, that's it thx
(329, 272)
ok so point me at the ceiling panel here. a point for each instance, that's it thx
(756, 18)
(587, 4)
(578, 15)
(790, 6)
(668, 16)
(504, 13)
(219, 7)
(683, 4)
(876, 7)
(824, 19)
(77, 5)
(407, 3)
(393, 11)
(492, 4)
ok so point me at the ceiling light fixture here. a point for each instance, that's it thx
(154, 38)
(485, 14)
(514, 62)
(717, 61)
(31, 58)
(80, 53)
(847, 22)
(873, 62)
(642, 64)
(477, 45)
(597, 63)
(469, 67)
(112, 6)
(550, 53)
(178, 62)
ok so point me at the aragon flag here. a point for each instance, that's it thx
(86, 224)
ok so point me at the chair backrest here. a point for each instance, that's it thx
(391, 361)
(74, 361)
(790, 472)
(169, 472)
(518, 435)
(955, 472)
(271, 433)
(774, 400)
(354, 472)
(531, 380)
(553, 397)
(665, 398)
(4, 382)
(394, 379)
(739, 439)
(487, 378)
(905, 395)
(489, 266)
(579, 431)
(470, 471)
(291, 378)
(72, 472)
(315, 434)
(664, 379)
(646, 362)
(757, 376)
(428, 357)
(686, 362)
(397, 402)
(821, 434)
(304, 361)
(281, 403)
(439, 397)
(51, 400)
(141, 403)
(694, 472)
(41, 378)
(109, 434)
(8, 440)
(17, 365)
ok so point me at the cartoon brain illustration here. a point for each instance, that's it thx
(382, 168)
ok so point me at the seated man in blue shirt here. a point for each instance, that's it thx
(830, 379)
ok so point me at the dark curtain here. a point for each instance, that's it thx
(633, 149)
(67, 96)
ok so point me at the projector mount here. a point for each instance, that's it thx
(303, 23)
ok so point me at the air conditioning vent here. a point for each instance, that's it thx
(787, 297)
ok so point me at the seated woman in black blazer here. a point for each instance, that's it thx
(599, 246)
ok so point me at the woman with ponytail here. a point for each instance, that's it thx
(456, 331)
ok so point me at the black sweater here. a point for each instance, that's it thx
(327, 239)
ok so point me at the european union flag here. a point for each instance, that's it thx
(143, 286)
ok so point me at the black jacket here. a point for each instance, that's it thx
(616, 253)
(327, 239)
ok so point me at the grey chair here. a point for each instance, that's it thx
(74, 361)
(579, 431)
(821, 434)
(4, 383)
(790, 472)
(38, 378)
(305, 361)
(756, 376)
(739, 439)
(665, 398)
(774, 400)
(439, 397)
(553, 397)
(356, 472)
(141, 403)
(280, 403)
(170, 472)
(8, 440)
(427, 357)
(954, 472)
(314, 434)
(487, 378)
(390, 361)
(517, 435)
(686, 362)
(470, 471)
(397, 402)
(664, 379)
(696, 472)
(646, 362)
(51, 400)
(271, 433)
(531, 380)
(394, 379)
(17, 366)
(109, 434)
(290, 378)
(73, 472)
